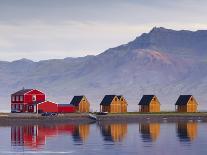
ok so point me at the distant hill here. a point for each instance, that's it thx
(162, 62)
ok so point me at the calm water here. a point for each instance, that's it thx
(111, 139)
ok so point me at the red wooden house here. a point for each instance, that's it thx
(47, 106)
(66, 108)
(26, 100)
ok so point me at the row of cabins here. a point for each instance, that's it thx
(33, 100)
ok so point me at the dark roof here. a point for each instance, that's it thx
(107, 99)
(76, 100)
(119, 96)
(183, 99)
(22, 92)
(146, 99)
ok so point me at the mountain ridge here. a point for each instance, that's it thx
(146, 65)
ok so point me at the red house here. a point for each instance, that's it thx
(66, 108)
(26, 100)
(47, 106)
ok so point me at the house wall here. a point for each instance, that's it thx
(115, 106)
(66, 109)
(123, 104)
(47, 107)
(84, 106)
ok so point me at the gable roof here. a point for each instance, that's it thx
(119, 96)
(76, 100)
(107, 99)
(183, 99)
(146, 99)
(22, 92)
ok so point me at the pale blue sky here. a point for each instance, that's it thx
(45, 29)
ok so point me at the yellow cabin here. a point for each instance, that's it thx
(81, 103)
(187, 131)
(149, 103)
(150, 131)
(112, 104)
(186, 103)
(123, 103)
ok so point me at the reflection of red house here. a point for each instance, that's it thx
(26, 100)
(35, 136)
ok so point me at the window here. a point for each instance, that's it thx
(13, 98)
(17, 98)
(21, 98)
(21, 107)
(33, 97)
(115, 99)
(13, 106)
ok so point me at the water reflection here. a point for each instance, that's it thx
(187, 131)
(149, 131)
(34, 136)
(81, 132)
(113, 132)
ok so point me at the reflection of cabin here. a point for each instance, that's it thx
(187, 131)
(149, 103)
(110, 103)
(81, 103)
(123, 103)
(81, 132)
(149, 131)
(186, 103)
(114, 132)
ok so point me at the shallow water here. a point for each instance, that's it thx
(104, 138)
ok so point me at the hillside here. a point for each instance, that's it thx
(162, 62)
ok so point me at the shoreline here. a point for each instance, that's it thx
(78, 118)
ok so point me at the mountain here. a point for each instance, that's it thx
(163, 62)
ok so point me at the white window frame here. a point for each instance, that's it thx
(34, 98)
(21, 98)
(17, 98)
(13, 98)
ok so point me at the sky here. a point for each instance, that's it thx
(50, 29)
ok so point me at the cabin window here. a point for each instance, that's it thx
(30, 107)
(17, 98)
(21, 98)
(122, 99)
(13, 98)
(33, 97)
(115, 99)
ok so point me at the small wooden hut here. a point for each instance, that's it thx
(149, 103)
(186, 103)
(111, 104)
(123, 103)
(81, 103)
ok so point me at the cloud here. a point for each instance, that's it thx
(45, 29)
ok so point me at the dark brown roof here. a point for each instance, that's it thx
(22, 92)
(107, 99)
(146, 99)
(183, 99)
(76, 100)
(119, 96)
